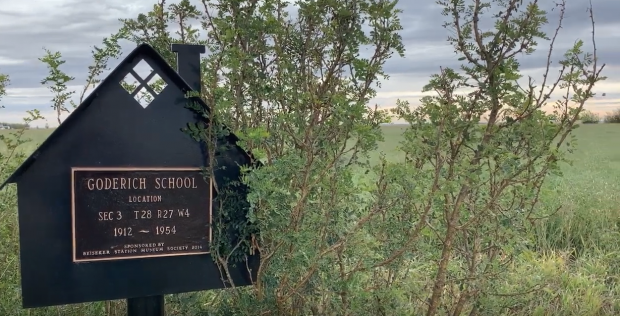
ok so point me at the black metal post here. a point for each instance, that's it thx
(146, 306)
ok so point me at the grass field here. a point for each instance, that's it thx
(589, 191)
(37, 136)
(588, 221)
(590, 186)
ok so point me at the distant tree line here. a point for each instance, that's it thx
(589, 117)
(15, 125)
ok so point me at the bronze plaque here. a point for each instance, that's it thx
(128, 213)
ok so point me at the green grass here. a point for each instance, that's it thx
(589, 191)
(36, 137)
(577, 249)
(588, 195)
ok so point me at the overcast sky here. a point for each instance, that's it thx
(74, 26)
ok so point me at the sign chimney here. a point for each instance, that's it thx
(188, 63)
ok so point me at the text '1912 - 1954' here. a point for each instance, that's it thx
(127, 213)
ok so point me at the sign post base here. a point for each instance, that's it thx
(146, 306)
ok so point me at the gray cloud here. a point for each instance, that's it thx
(74, 26)
(31, 73)
(423, 28)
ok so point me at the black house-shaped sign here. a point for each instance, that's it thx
(113, 204)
